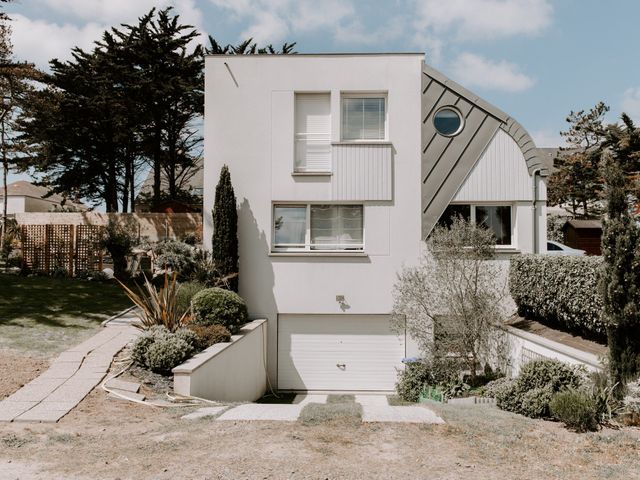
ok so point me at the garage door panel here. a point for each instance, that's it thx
(338, 352)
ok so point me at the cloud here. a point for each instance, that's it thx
(473, 70)
(548, 138)
(482, 19)
(631, 103)
(273, 21)
(39, 41)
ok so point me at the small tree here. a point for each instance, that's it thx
(621, 277)
(453, 301)
(225, 230)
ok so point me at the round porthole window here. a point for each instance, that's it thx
(448, 121)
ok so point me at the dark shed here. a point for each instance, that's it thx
(584, 234)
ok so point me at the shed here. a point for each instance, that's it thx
(584, 234)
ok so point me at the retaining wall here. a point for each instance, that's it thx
(234, 371)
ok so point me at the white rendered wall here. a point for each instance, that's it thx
(15, 204)
(249, 125)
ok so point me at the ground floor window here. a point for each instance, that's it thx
(496, 218)
(318, 227)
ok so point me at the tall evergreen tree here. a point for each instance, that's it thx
(225, 229)
(620, 282)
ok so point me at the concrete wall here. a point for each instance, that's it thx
(14, 204)
(525, 346)
(154, 226)
(231, 372)
(249, 125)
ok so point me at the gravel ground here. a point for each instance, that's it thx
(113, 439)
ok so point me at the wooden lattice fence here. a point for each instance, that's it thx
(73, 248)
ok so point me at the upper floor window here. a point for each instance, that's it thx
(364, 117)
(448, 121)
(312, 132)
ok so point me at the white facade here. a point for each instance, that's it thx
(251, 125)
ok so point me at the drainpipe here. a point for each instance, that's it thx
(534, 207)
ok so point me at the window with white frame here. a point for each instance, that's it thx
(318, 227)
(364, 117)
(312, 132)
(496, 218)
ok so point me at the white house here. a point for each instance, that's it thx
(342, 164)
(23, 196)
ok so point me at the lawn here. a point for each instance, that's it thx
(44, 315)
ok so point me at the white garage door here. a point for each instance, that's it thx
(338, 352)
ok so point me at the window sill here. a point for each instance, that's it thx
(318, 254)
(362, 142)
(311, 174)
(506, 250)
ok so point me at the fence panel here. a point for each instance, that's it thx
(88, 255)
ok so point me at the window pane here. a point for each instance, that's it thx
(498, 220)
(289, 226)
(363, 118)
(447, 121)
(454, 211)
(336, 227)
(312, 132)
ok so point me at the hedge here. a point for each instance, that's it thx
(559, 291)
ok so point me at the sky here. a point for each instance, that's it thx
(535, 59)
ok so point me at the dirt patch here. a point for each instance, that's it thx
(17, 370)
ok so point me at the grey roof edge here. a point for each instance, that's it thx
(508, 123)
(336, 54)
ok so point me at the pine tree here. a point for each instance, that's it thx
(621, 277)
(225, 230)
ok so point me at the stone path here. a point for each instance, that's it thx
(68, 380)
(375, 408)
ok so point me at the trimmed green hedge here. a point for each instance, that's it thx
(560, 291)
(216, 306)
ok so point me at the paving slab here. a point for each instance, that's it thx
(401, 414)
(372, 400)
(263, 411)
(10, 410)
(123, 385)
(43, 413)
(303, 399)
(204, 412)
(33, 393)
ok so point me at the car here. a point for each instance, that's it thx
(557, 248)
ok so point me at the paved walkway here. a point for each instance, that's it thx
(68, 380)
(375, 408)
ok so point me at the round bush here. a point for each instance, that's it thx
(576, 409)
(144, 341)
(166, 353)
(208, 335)
(175, 256)
(215, 306)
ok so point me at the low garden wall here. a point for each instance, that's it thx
(525, 347)
(233, 371)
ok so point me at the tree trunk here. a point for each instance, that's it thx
(5, 174)
(157, 163)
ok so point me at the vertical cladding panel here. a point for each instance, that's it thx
(361, 172)
(502, 159)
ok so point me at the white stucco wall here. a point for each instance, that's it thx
(249, 126)
(15, 204)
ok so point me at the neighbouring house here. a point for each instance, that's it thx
(584, 235)
(342, 165)
(23, 196)
(190, 197)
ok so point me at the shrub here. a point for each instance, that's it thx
(560, 291)
(530, 393)
(225, 229)
(210, 335)
(576, 409)
(498, 387)
(166, 353)
(157, 307)
(119, 239)
(185, 294)
(160, 350)
(175, 256)
(419, 374)
(218, 306)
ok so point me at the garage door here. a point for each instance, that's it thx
(338, 352)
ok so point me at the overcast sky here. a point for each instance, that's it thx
(535, 59)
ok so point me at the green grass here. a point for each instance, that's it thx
(44, 315)
(339, 408)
